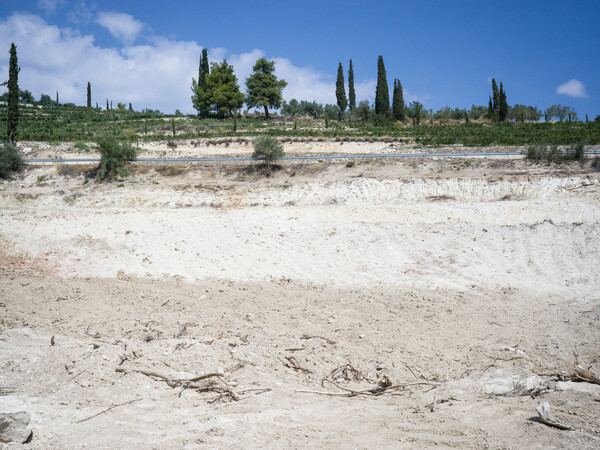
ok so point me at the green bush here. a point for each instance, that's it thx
(553, 154)
(268, 149)
(114, 155)
(10, 160)
(81, 145)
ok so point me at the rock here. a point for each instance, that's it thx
(14, 427)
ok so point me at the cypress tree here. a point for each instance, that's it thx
(340, 90)
(503, 107)
(490, 109)
(89, 95)
(57, 99)
(200, 90)
(13, 95)
(205, 69)
(586, 118)
(495, 95)
(351, 92)
(107, 104)
(382, 93)
(397, 101)
(466, 116)
(130, 107)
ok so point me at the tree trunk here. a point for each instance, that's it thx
(267, 113)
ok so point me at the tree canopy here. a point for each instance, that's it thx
(222, 94)
(382, 93)
(340, 90)
(263, 87)
(13, 95)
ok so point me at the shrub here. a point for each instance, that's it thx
(113, 156)
(577, 150)
(81, 145)
(10, 160)
(268, 149)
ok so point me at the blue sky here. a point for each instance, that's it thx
(443, 52)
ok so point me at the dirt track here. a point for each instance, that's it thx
(420, 271)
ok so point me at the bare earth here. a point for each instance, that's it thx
(469, 283)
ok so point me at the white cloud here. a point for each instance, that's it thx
(157, 75)
(122, 26)
(50, 5)
(81, 14)
(572, 88)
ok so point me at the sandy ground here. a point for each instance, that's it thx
(477, 279)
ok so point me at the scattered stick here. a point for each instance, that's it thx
(108, 409)
(385, 386)
(298, 349)
(293, 364)
(76, 375)
(543, 410)
(52, 340)
(348, 372)
(191, 383)
(306, 336)
(434, 403)
(95, 336)
(586, 375)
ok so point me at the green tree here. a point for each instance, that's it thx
(89, 95)
(415, 111)
(113, 157)
(268, 149)
(495, 96)
(221, 84)
(340, 91)
(364, 109)
(503, 106)
(10, 160)
(263, 87)
(351, 92)
(382, 93)
(202, 96)
(57, 103)
(13, 95)
(397, 101)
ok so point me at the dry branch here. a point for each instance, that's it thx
(383, 387)
(188, 384)
(586, 375)
(306, 336)
(293, 364)
(543, 410)
(108, 409)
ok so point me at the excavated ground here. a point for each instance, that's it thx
(465, 283)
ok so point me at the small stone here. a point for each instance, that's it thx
(14, 427)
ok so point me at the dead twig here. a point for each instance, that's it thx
(375, 392)
(108, 409)
(293, 364)
(543, 410)
(298, 349)
(189, 383)
(7, 390)
(95, 336)
(348, 372)
(306, 336)
(586, 375)
(76, 375)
